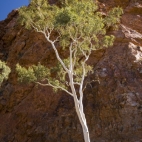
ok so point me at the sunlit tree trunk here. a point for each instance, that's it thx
(80, 29)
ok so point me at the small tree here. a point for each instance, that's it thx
(80, 28)
(4, 71)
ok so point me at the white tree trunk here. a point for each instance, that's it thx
(86, 133)
(79, 108)
(78, 102)
(82, 120)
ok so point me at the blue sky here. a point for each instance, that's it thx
(6, 6)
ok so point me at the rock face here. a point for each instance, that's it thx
(113, 102)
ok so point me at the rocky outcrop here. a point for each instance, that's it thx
(113, 102)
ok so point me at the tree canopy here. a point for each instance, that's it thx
(79, 27)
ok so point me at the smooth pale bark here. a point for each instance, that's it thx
(78, 102)
(86, 134)
(83, 124)
(80, 111)
(82, 120)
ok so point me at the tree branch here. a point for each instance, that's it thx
(57, 87)
(77, 83)
(56, 51)
(74, 56)
(70, 49)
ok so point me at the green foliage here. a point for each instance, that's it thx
(39, 12)
(113, 16)
(40, 71)
(73, 19)
(108, 41)
(63, 17)
(80, 28)
(54, 76)
(32, 73)
(4, 71)
(25, 75)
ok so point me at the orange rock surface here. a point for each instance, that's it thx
(113, 105)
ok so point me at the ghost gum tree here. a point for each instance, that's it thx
(80, 28)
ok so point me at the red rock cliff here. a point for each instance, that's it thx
(113, 105)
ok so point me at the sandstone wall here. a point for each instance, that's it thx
(113, 104)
